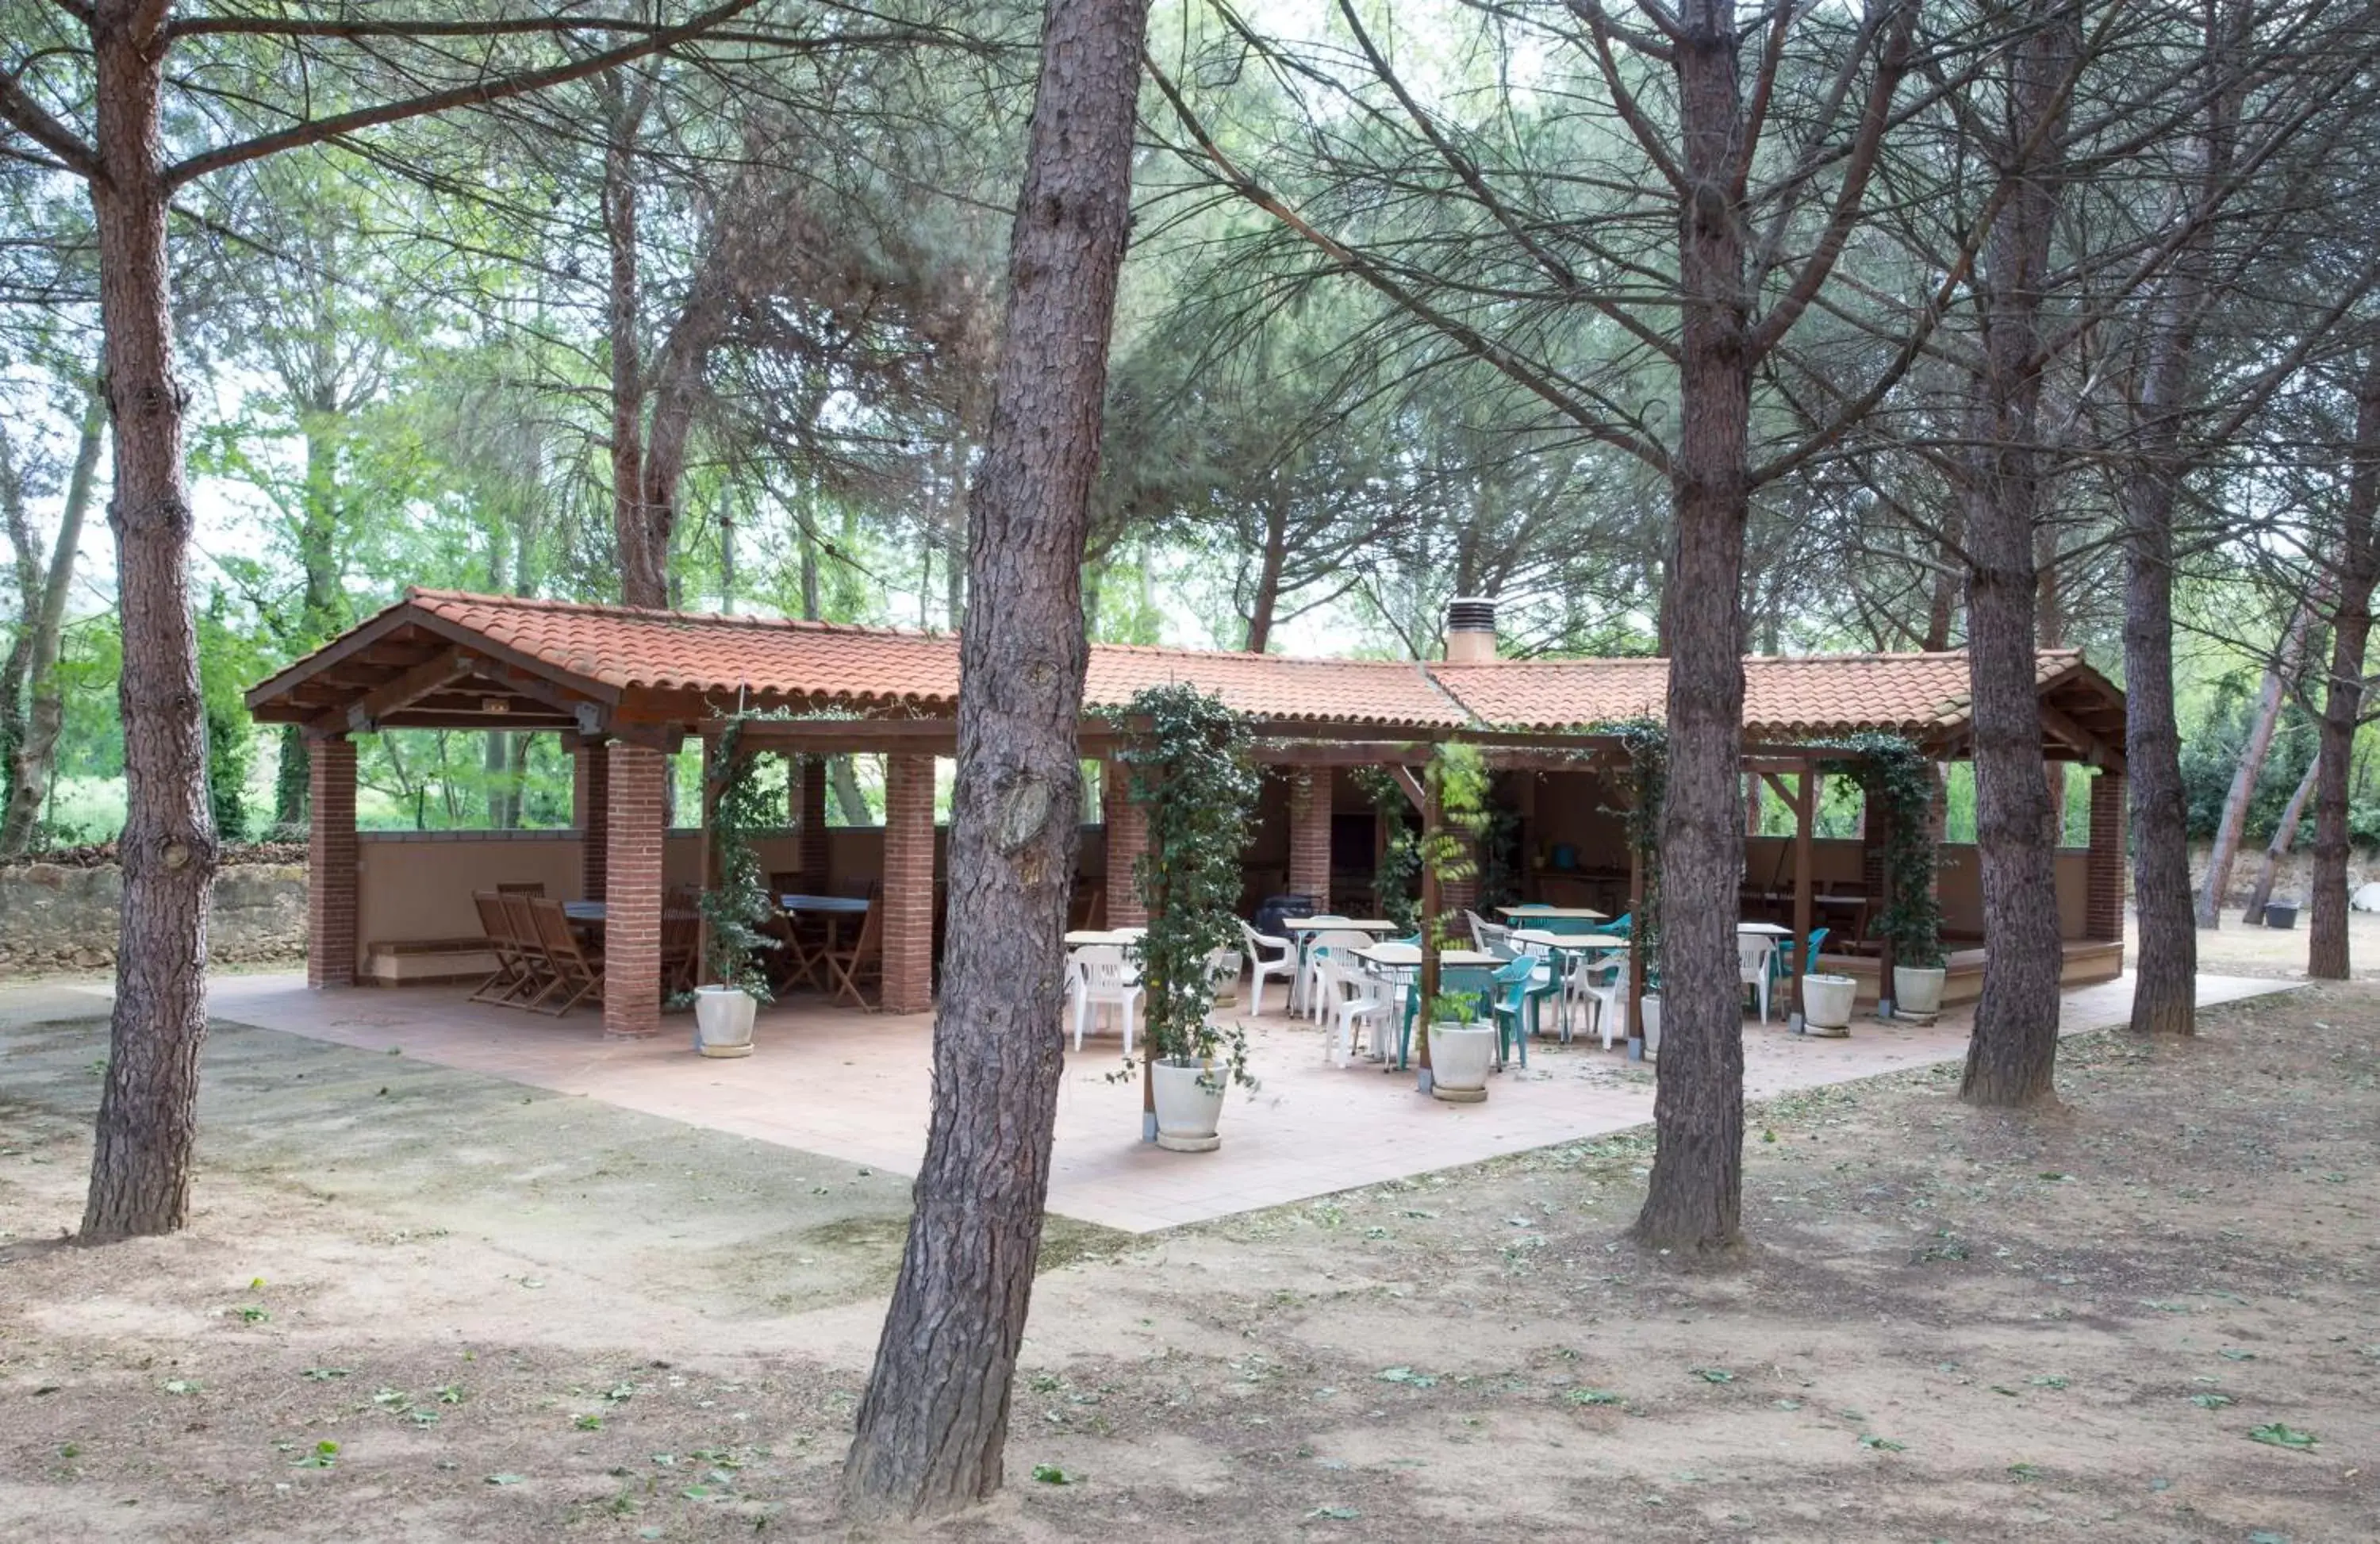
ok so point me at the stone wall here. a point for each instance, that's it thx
(59, 918)
(2292, 882)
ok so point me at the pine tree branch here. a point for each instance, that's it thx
(29, 118)
(476, 93)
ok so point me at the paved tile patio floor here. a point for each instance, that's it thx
(854, 1087)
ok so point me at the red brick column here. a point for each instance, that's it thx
(632, 892)
(331, 864)
(1310, 835)
(908, 900)
(591, 811)
(2102, 913)
(809, 820)
(1127, 838)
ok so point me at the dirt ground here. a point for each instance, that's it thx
(2236, 949)
(417, 1304)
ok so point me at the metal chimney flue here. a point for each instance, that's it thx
(1470, 630)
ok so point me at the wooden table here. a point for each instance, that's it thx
(805, 959)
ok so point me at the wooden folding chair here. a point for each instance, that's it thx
(545, 976)
(577, 974)
(800, 962)
(524, 887)
(513, 977)
(846, 966)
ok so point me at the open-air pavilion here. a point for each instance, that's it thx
(626, 688)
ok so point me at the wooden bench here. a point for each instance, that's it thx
(427, 961)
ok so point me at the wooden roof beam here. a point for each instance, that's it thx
(363, 715)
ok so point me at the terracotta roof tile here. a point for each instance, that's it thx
(625, 649)
(618, 649)
(1784, 698)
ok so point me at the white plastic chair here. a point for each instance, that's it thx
(1597, 985)
(1222, 970)
(1753, 952)
(1104, 975)
(1340, 943)
(1357, 996)
(1302, 942)
(1485, 935)
(1282, 963)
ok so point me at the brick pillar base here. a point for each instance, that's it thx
(1127, 838)
(591, 811)
(1310, 835)
(2102, 913)
(331, 865)
(809, 820)
(632, 892)
(908, 900)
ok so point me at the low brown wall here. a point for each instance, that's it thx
(2292, 878)
(54, 918)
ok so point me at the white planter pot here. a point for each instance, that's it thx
(722, 1021)
(1189, 1106)
(1460, 1055)
(1827, 1004)
(1917, 988)
(1651, 1023)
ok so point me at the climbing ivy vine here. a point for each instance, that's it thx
(1396, 881)
(1189, 769)
(1646, 741)
(1897, 781)
(738, 905)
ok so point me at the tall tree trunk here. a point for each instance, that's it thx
(1275, 555)
(1942, 609)
(148, 1109)
(38, 751)
(26, 557)
(2285, 837)
(2342, 699)
(321, 602)
(2165, 979)
(2013, 1053)
(644, 567)
(1694, 1202)
(935, 1416)
(2233, 823)
(810, 576)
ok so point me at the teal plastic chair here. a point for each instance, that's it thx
(1619, 927)
(1475, 981)
(1782, 962)
(1517, 1007)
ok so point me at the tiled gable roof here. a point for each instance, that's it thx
(873, 668)
(615, 652)
(1784, 698)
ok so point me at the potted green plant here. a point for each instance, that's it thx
(1188, 769)
(733, 908)
(1462, 1049)
(1899, 779)
(1827, 1002)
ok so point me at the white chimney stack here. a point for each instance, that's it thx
(1470, 630)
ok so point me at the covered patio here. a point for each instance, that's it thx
(625, 688)
(857, 1089)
